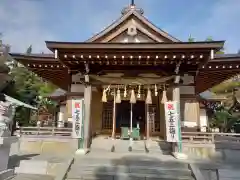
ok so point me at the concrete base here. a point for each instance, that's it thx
(5, 145)
(6, 174)
(8, 140)
(32, 167)
(180, 156)
(82, 151)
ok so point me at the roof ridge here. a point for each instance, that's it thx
(141, 18)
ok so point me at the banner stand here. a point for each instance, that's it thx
(78, 125)
(173, 128)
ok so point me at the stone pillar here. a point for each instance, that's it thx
(61, 115)
(177, 147)
(176, 97)
(87, 116)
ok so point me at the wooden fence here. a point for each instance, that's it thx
(191, 137)
(202, 137)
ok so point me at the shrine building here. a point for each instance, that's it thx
(128, 71)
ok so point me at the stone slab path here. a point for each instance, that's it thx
(32, 177)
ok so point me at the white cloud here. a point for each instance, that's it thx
(21, 25)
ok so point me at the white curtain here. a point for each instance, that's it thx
(191, 112)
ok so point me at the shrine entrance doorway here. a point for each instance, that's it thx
(123, 117)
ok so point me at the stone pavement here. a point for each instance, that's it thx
(126, 166)
(32, 177)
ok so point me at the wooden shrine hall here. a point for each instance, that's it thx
(129, 70)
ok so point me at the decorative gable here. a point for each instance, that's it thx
(132, 27)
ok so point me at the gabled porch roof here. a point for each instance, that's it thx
(132, 13)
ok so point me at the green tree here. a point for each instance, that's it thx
(209, 38)
(29, 50)
(26, 86)
(191, 39)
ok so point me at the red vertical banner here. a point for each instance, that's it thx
(77, 118)
(172, 118)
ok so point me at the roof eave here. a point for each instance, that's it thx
(215, 45)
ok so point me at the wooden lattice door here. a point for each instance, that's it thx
(154, 123)
(107, 117)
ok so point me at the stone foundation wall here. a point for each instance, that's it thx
(48, 145)
(220, 151)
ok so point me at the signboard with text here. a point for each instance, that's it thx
(77, 118)
(172, 121)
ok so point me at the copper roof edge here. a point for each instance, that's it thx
(144, 43)
(40, 55)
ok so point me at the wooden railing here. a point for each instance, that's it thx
(191, 137)
(45, 131)
(202, 137)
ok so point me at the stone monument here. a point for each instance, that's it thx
(6, 115)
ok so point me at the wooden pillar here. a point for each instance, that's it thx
(114, 116)
(87, 115)
(147, 121)
(131, 120)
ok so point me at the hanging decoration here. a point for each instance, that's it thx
(149, 97)
(164, 96)
(132, 98)
(104, 95)
(125, 92)
(118, 97)
(156, 91)
(139, 92)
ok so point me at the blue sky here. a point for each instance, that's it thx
(26, 22)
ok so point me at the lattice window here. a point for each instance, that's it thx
(153, 118)
(107, 116)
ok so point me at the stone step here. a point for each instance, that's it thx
(123, 145)
(133, 150)
(129, 162)
(87, 175)
(32, 177)
(130, 169)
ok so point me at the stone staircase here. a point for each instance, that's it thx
(122, 146)
(127, 166)
(140, 164)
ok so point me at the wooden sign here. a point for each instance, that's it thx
(77, 118)
(172, 121)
